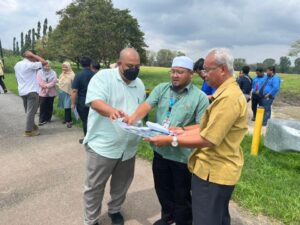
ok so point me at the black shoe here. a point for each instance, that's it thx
(5, 91)
(116, 218)
(42, 123)
(253, 119)
(96, 223)
(163, 222)
(80, 141)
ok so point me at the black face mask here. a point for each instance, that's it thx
(131, 74)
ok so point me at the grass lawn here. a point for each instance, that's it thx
(270, 182)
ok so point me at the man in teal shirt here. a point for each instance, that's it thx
(179, 103)
(111, 151)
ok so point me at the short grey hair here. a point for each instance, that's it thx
(223, 56)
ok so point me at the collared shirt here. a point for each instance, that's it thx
(224, 124)
(104, 136)
(258, 82)
(187, 110)
(80, 83)
(273, 85)
(26, 76)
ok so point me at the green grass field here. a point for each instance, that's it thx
(270, 182)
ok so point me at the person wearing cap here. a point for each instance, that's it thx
(217, 162)
(179, 103)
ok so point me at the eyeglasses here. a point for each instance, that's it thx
(207, 69)
(177, 72)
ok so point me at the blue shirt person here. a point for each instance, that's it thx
(270, 90)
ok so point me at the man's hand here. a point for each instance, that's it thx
(160, 141)
(129, 120)
(116, 113)
(176, 130)
(267, 95)
(28, 54)
(72, 107)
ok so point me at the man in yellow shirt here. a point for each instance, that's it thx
(217, 162)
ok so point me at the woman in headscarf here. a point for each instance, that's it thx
(47, 79)
(65, 88)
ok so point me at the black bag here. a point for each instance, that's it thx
(257, 96)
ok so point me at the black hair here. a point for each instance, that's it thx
(246, 69)
(85, 61)
(259, 69)
(272, 68)
(199, 64)
(95, 65)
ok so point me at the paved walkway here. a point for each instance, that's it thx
(41, 178)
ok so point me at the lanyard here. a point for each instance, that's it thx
(172, 102)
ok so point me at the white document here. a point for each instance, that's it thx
(76, 115)
(150, 131)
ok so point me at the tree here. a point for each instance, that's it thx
(295, 48)
(45, 27)
(269, 62)
(98, 35)
(151, 58)
(179, 53)
(33, 38)
(17, 49)
(238, 64)
(14, 45)
(38, 35)
(50, 30)
(284, 64)
(22, 43)
(297, 65)
(164, 57)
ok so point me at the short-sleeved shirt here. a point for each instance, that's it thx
(26, 76)
(80, 83)
(187, 110)
(245, 83)
(104, 136)
(224, 124)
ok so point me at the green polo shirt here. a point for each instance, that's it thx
(104, 136)
(190, 104)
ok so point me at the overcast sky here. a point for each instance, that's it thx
(252, 29)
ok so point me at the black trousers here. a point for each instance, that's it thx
(210, 202)
(46, 108)
(254, 102)
(83, 112)
(68, 116)
(2, 84)
(172, 182)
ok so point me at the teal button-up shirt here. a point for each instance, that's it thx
(190, 104)
(104, 136)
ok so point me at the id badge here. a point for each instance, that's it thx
(166, 123)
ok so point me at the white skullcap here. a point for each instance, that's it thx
(184, 62)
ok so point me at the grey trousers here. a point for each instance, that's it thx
(31, 104)
(98, 170)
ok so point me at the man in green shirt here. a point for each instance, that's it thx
(179, 103)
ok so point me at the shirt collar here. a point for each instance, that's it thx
(223, 86)
(187, 87)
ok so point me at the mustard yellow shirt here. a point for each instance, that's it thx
(224, 124)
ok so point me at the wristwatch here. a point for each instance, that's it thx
(174, 142)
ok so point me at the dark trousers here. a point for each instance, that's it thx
(83, 112)
(68, 116)
(254, 103)
(210, 202)
(267, 103)
(2, 84)
(172, 182)
(46, 108)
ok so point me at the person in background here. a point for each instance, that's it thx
(179, 103)
(2, 84)
(217, 161)
(95, 67)
(245, 82)
(28, 87)
(198, 68)
(47, 79)
(258, 85)
(110, 150)
(270, 90)
(65, 90)
(79, 89)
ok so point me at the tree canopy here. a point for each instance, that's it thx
(96, 29)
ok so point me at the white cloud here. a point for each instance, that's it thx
(8, 6)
